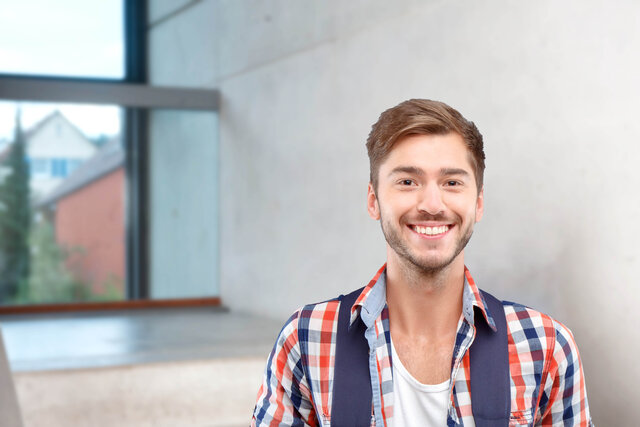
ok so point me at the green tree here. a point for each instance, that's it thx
(50, 281)
(15, 219)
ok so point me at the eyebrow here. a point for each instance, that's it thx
(419, 172)
(407, 169)
(453, 171)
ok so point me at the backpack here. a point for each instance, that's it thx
(489, 365)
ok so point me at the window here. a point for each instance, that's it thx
(75, 196)
(70, 38)
(91, 234)
(59, 168)
(39, 166)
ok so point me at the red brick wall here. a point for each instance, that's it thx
(92, 218)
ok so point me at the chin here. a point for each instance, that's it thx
(432, 265)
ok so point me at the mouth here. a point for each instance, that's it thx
(431, 231)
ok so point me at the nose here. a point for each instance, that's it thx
(430, 201)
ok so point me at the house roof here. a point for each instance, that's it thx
(34, 129)
(109, 158)
(42, 123)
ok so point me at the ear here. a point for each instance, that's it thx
(480, 205)
(372, 203)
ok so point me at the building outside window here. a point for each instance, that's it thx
(75, 163)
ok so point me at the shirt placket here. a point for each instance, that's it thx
(372, 340)
(464, 338)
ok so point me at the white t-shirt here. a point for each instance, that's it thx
(414, 403)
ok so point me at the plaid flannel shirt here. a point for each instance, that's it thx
(547, 381)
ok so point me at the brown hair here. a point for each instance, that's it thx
(422, 117)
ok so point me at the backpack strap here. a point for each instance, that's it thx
(489, 364)
(351, 403)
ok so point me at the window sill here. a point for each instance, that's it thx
(56, 341)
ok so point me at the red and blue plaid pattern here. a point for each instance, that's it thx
(547, 381)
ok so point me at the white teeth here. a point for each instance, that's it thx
(431, 231)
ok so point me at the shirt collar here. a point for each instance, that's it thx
(472, 297)
(373, 298)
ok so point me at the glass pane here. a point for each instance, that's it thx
(183, 160)
(73, 38)
(62, 203)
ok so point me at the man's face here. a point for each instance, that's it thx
(427, 200)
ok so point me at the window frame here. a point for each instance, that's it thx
(136, 97)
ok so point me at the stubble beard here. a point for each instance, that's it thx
(427, 265)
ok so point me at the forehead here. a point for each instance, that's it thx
(429, 152)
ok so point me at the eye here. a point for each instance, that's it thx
(452, 183)
(406, 182)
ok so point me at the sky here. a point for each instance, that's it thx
(76, 38)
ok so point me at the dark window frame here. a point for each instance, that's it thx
(136, 96)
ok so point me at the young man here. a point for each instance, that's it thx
(431, 333)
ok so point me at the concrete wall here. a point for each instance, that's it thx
(553, 87)
(183, 158)
(183, 155)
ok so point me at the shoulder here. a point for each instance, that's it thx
(317, 318)
(309, 320)
(320, 307)
(539, 337)
(527, 323)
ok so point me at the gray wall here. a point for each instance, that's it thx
(183, 156)
(183, 159)
(553, 86)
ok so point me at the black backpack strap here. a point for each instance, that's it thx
(489, 359)
(351, 404)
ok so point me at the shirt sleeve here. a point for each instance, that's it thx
(284, 397)
(565, 394)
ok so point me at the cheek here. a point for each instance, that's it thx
(390, 207)
(463, 207)
(397, 206)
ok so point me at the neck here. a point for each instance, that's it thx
(422, 303)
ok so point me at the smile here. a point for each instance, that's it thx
(431, 231)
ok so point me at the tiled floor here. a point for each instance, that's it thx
(85, 340)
